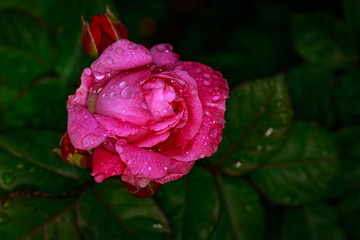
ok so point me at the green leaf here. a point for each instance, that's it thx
(352, 12)
(322, 39)
(241, 215)
(349, 208)
(27, 162)
(25, 43)
(27, 215)
(194, 193)
(41, 106)
(311, 103)
(258, 117)
(316, 222)
(108, 211)
(348, 97)
(349, 143)
(303, 171)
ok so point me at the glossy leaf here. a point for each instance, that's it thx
(322, 39)
(310, 103)
(24, 43)
(348, 97)
(349, 143)
(194, 193)
(108, 211)
(258, 117)
(27, 162)
(304, 170)
(315, 222)
(241, 215)
(349, 208)
(30, 215)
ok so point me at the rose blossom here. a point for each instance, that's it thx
(147, 115)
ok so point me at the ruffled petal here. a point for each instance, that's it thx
(119, 56)
(213, 90)
(176, 170)
(116, 127)
(106, 164)
(142, 163)
(162, 54)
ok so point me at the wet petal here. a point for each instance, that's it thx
(106, 164)
(162, 54)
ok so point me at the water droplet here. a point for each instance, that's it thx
(127, 92)
(216, 98)
(123, 85)
(165, 168)
(206, 83)
(109, 60)
(21, 165)
(157, 226)
(207, 76)
(119, 51)
(86, 117)
(269, 132)
(132, 46)
(160, 48)
(104, 95)
(102, 163)
(144, 105)
(87, 72)
(119, 150)
(99, 90)
(99, 177)
(219, 138)
(7, 178)
(99, 76)
(213, 132)
(198, 71)
(212, 147)
(202, 155)
(149, 168)
(112, 95)
(238, 164)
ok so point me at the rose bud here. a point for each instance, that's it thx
(71, 155)
(147, 115)
(147, 191)
(103, 30)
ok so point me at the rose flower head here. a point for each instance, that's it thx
(103, 30)
(147, 115)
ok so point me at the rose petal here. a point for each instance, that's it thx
(117, 127)
(121, 98)
(136, 181)
(106, 164)
(213, 90)
(176, 170)
(162, 54)
(152, 140)
(142, 163)
(84, 131)
(119, 56)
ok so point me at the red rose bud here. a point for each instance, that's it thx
(145, 192)
(71, 155)
(103, 30)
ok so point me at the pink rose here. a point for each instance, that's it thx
(147, 115)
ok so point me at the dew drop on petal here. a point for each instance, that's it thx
(104, 95)
(206, 83)
(99, 177)
(149, 168)
(119, 51)
(123, 85)
(87, 72)
(132, 46)
(165, 168)
(144, 105)
(215, 98)
(207, 76)
(160, 48)
(213, 132)
(198, 71)
(112, 95)
(202, 155)
(119, 150)
(99, 76)
(109, 60)
(127, 92)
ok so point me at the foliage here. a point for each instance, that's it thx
(288, 166)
